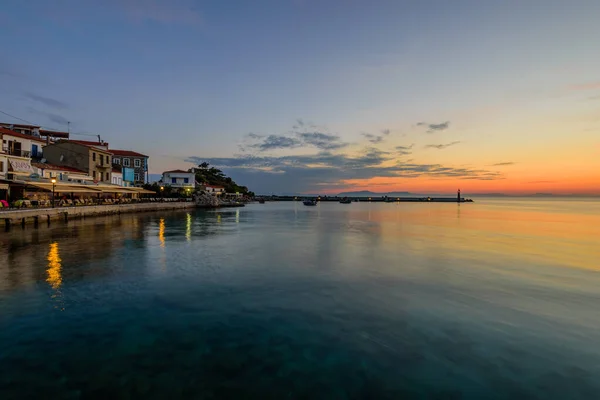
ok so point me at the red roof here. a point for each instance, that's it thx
(4, 131)
(178, 171)
(89, 143)
(215, 186)
(57, 167)
(19, 125)
(125, 153)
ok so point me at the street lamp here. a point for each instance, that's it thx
(53, 186)
(162, 191)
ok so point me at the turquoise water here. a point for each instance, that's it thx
(497, 299)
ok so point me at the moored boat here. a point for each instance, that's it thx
(345, 201)
(309, 202)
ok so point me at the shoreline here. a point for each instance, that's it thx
(36, 216)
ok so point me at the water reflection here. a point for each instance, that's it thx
(54, 266)
(188, 227)
(161, 232)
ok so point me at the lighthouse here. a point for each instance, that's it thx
(458, 196)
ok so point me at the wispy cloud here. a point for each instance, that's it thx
(320, 140)
(432, 128)
(52, 117)
(441, 146)
(301, 173)
(404, 150)
(272, 142)
(386, 132)
(502, 164)
(47, 101)
(302, 135)
(372, 138)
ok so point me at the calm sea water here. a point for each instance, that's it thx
(498, 299)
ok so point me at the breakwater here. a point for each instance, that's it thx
(371, 199)
(35, 216)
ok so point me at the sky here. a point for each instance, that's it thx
(321, 96)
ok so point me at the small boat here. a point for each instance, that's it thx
(346, 201)
(309, 202)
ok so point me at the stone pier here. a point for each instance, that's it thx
(36, 216)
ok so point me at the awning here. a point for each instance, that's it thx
(3, 186)
(21, 166)
(62, 188)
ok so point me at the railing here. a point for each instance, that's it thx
(18, 153)
(20, 204)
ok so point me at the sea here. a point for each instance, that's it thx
(496, 299)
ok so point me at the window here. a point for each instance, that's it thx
(137, 163)
(94, 175)
(136, 177)
(186, 180)
(126, 162)
(173, 180)
(108, 160)
(108, 176)
(117, 161)
(93, 156)
(1, 167)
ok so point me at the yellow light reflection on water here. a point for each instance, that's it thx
(188, 227)
(161, 232)
(54, 266)
(237, 216)
(219, 218)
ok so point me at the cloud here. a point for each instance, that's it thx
(320, 140)
(304, 173)
(431, 128)
(501, 164)
(47, 101)
(404, 150)
(372, 138)
(386, 132)
(273, 142)
(441, 146)
(55, 118)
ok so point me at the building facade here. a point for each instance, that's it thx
(92, 158)
(16, 153)
(60, 173)
(131, 159)
(179, 179)
(214, 189)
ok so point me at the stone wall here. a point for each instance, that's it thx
(46, 215)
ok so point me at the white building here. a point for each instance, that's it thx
(117, 177)
(214, 189)
(179, 179)
(16, 153)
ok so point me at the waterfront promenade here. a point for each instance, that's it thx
(35, 216)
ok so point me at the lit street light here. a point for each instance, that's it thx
(53, 186)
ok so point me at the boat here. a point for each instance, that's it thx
(261, 201)
(309, 202)
(345, 201)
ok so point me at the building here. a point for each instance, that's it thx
(61, 173)
(179, 179)
(91, 157)
(16, 153)
(214, 189)
(117, 176)
(132, 159)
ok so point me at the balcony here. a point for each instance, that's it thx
(16, 152)
(103, 165)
